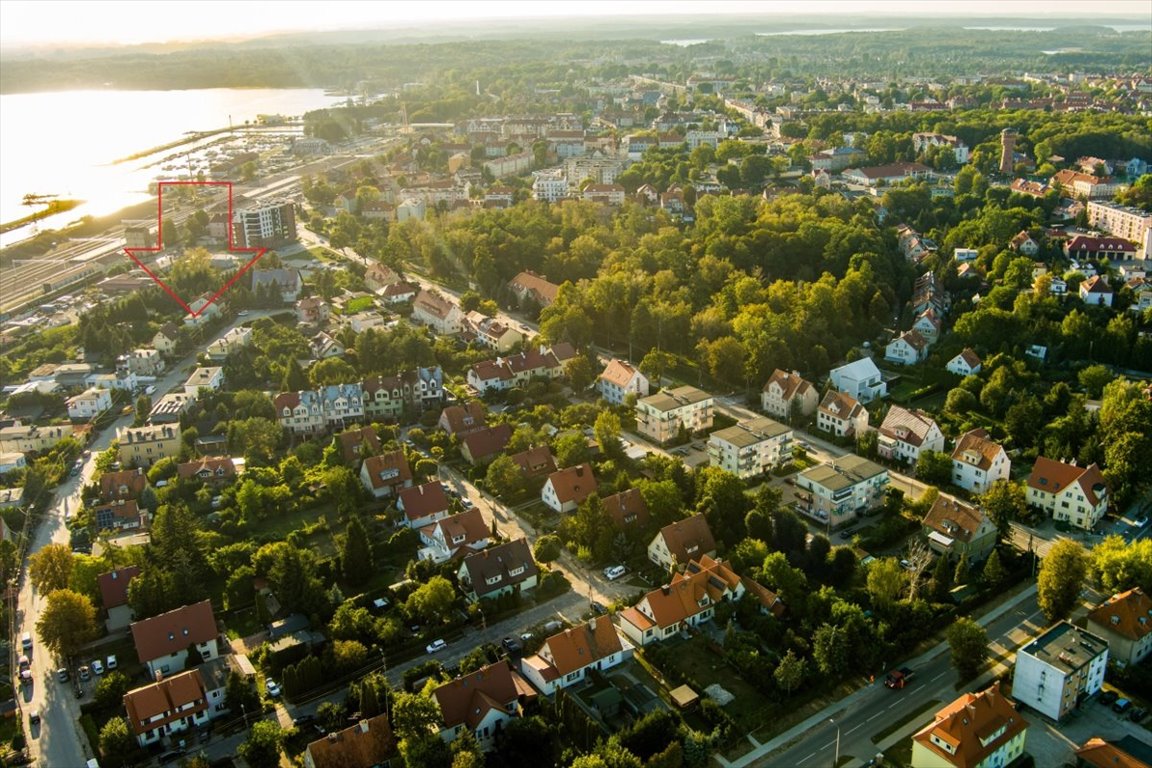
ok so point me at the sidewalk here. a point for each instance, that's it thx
(786, 738)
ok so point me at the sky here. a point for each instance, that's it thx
(36, 22)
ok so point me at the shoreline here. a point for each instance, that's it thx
(186, 139)
(53, 207)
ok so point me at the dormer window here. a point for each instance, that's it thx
(492, 580)
(516, 571)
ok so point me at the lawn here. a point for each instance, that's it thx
(694, 660)
(243, 623)
(359, 304)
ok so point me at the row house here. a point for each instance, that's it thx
(168, 707)
(977, 729)
(435, 193)
(32, 439)
(619, 379)
(1124, 620)
(566, 489)
(310, 412)
(520, 369)
(956, 529)
(437, 311)
(676, 544)
(841, 491)
(1059, 669)
(905, 433)
(144, 446)
(415, 390)
(385, 475)
(501, 570)
(841, 415)
(1085, 247)
(787, 395)
(566, 657)
(661, 417)
(751, 448)
(455, 536)
(689, 600)
(1072, 494)
(978, 462)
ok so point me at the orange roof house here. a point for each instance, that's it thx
(976, 729)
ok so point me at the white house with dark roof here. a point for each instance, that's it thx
(906, 432)
(908, 348)
(481, 702)
(1095, 291)
(499, 570)
(565, 489)
(978, 461)
(162, 642)
(965, 364)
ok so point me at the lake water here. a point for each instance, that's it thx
(64, 143)
(828, 31)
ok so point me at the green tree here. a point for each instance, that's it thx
(1094, 378)
(570, 449)
(262, 748)
(993, 574)
(111, 689)
(504, 478)
(50, 569)
(831, 651)
(581, 372)
(1004, 501)
(348, 655)
(934, 467)
(117, 744)
(547, 548)
(432, 600)
(294, 377)
(607, 431)
(1061, 578)
(969, 643)
(356, 553)
(789, 673)
(886, 581)
(413, 714)
(67, 622)
(1119, 566)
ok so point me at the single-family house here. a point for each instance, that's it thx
(282, 282)
(89, 404)
(840, 415)
(356, 444)
(123, 484)
(928, 325)
(386, 475)
(678, 543)
(536, 462)
(500, 570)
(1095, 291)
(627, 509)
(977, 730)
(481, 702)
(482, 446)
(166, 339)
(1023, 243)
(323, 346)
(215, 471)
(455, 536)
(690, 599)
(861, 379)
(908, 348)
(1125, 621)
(906, 432)
(379, 276)
(956, 529)
(529, 286)
(369, 743)
(1129, 751)
(144, 446)
(965, 364)
(124, 514)
(422, 505)
(493, 333)
(788, 395)
(978, 461)
(1072, 494)
(163, 642)
(312, 311)
(460, 420)
(210, 378)
(566, 488)
(168, 707)
(566, 657)
(618, 379)
(438, 312)
(113, 587)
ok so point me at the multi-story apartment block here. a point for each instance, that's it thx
(264, 226)
(144, 446)
(787, 394)
(905, 433)
(1125, 621)
(977, 730)
(437, 311)
(751, 448)
(549, 186)
(1132, 224)
(977, 462)
(233, 341)
(1059, 670)
(1072, 494)
(660, 417)
(839, 492)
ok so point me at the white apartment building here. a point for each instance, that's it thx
(1123, 221)
(861, 379)
(1059, 669)
(549, 186)
(620, 378)
(659, 417)
(1076, 495)
(751, 448)
(838, 493)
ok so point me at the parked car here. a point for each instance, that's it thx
(614, 572)
(34, 717)
(110, 662)
(97, 667)
(436, 646)
(1108, 697)
(381, 604)
(26, 641)
(1137, 714)
(85, 673)
(62, 675)
(512, 645)
(847, 533)
(272, 687)
(303, 720)
(1121, 706)
(598, 608)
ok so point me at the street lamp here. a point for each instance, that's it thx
(836, 759)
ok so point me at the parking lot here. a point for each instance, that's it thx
(1052, 746)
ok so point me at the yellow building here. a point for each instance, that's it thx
(144, 446)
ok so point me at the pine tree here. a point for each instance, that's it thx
(993, 570)
(356, 556)
(960, 577)
(294, 377)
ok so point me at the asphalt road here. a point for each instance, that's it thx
(875, 708)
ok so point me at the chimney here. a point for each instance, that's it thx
(159, 676)
(666, 589)
(332, 737)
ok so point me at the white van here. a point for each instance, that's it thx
(26, 641)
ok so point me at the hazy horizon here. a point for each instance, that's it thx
(25, 24)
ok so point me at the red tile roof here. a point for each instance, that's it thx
(127, 484)
(369, 742)
(468, 699)
(1128, 614)
(967, 726)
(627, 508)
(114, 585)
(574, 483)
(1054, 476)
(577, 647)
(165, 697)
(421, 501)
(354, 441)
(689, 539)
(535, 462)
(174, 631)
(386, 463)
